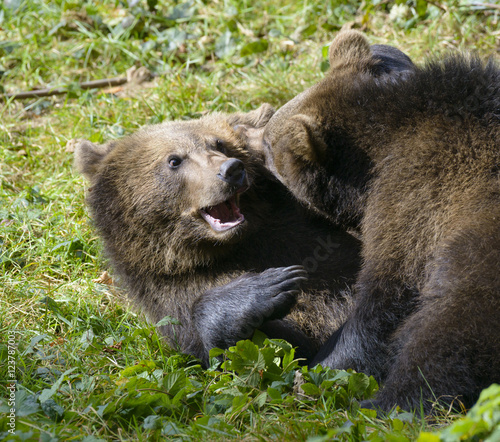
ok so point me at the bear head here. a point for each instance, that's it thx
(309, 142)
(174, 187)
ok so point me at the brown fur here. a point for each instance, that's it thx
(173, 263)
(412, 160)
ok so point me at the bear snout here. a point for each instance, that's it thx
(232, 172)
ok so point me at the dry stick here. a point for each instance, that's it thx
(63, 90)
(437, 5)
(489, 5)
(445, 9)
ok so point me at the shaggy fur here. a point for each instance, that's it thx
(411, 160)
(146, 196)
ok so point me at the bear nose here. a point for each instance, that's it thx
(232, 171)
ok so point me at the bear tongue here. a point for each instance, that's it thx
(222, 212)
(223, 216)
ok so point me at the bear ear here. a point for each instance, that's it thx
(250, 126)
(89, 156)
(255, 119)
(306, 140)
(347, 47)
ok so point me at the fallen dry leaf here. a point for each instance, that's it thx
(105, 278)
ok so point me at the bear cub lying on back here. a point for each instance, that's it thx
(412, 160)
(199, 230)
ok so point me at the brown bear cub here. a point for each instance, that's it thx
(413, 160)
(197, 229)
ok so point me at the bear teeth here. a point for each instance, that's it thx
(223, 216)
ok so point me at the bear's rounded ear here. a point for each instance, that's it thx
(88, 156)
(306, 140)
(256, 118)
(250, 126)
(347, 47)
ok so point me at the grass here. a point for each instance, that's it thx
(88, 366)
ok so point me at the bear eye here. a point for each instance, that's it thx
(219, 145)
(174, 162)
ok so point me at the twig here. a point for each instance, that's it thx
(107, 82)
(482, 6)
(438, 5)
(489, 5)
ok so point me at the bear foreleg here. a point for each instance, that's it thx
(227, 314)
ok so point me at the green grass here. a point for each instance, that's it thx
(90, 368)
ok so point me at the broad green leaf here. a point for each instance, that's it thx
(92, 439)
(274, 394)
(215, 352)
(53, 410)
(141, 366)
(225, 46)
(428, 437)
(358, 383)
(47, 393)
(421, 7)
(167, 320)
(174, 382)
(260, 400)
(254, 47)
(87, 338)
(26, 403)
(310, 389)
(152, 422)
(238, 403)
(397, 424)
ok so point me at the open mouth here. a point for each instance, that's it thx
(223, 216)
